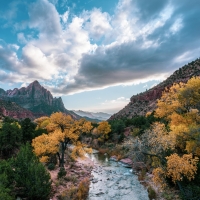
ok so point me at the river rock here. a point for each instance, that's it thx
(95, 143)
(113, 158)
(127, 162)
(138, 166)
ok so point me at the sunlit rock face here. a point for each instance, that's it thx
(144, 102)
(11, 109)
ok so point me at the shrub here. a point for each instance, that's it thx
(71, 179)
(62, 172)
(151, 193)
(83, 189)
(69, 194)
(51, 166)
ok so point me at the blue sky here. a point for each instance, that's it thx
(96, 54)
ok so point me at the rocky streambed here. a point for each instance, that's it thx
(112, 181)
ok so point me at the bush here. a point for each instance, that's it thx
(71, 179)
(62, 172)
(69, 194)
(51, 166)
(151, 193)
(83, 189)
(76, 193)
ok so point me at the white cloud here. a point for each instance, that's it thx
(21, 38)
(178, 24)
(93, 50)
(65, 16)
(97, 23)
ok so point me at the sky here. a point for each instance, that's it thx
(96, 54)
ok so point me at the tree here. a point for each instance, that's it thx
(28, 130)
(179, 106)
(177, 168)
(32, 179)
(103, 129)
(6, 180)
(157, 140)
(117, 130)
(42, 122)
(10, 138)
(62, 131)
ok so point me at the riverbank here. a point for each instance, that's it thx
(78, 174)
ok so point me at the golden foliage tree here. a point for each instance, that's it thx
(103, 129)
(62, 131)
(177, 167)
(179, 106)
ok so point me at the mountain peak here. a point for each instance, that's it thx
(35, 83)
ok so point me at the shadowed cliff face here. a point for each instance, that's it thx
(144, 102)
(36, 99)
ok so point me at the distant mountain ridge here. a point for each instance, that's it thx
(98, 115)
(144, 102)
(36, 99)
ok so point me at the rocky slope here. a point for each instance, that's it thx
(36, 99)
(141, 103)
(11, 109)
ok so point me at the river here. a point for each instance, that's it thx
(112, 181)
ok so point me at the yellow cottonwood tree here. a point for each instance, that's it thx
(179, 106)
(103, 129)
(157, 140)
(62, 131)
(42, 122)
(179, 167)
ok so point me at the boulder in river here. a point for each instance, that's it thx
(127, 162)
(113, 158)
(138, 166)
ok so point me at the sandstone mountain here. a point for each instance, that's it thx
(36, 99)
(141, 103)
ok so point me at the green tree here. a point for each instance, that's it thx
(6, 180)
(28, 130)
(117, 127)
(32, 179)
(10, 138)
(4, 190)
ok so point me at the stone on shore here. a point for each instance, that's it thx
(127, 162)
(138, 166)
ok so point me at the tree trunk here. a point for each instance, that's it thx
(59, 159)
(62, 154)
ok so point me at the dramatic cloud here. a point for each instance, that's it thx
(142, 40)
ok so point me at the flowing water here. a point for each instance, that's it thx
(112, 181)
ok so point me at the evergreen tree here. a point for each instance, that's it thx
(10, 138)
(32, 179)
(28, 130)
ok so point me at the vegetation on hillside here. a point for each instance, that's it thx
(168, 140)
(29, 149)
